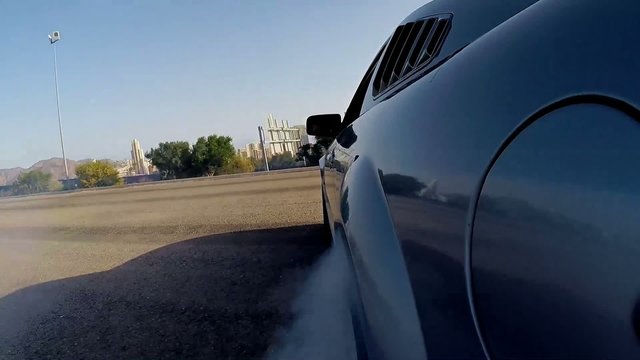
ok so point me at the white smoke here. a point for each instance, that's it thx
(322, 327)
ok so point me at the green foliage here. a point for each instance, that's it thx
(31, 182)
(305, 154)
(310, 153)
(238, 164)
(97, 173)
(55, 185)
(173, 159)
(323, 142)
(258, 164)
(210, 154)
(283, 161)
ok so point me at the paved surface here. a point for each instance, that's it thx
(195, 269)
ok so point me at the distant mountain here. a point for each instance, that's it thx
(7, 176)
(53, 166)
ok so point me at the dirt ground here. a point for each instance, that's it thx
(192, 269)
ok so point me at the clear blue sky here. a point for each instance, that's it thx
(160, 70)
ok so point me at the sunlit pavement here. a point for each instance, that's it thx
(198, 269)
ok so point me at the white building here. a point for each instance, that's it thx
(254, 151)
(139, 163)
(242, 153)
(282, 137)
(124, 168)
(304, 137)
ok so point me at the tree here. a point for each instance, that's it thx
(258, 164)
(31, 182)
(310, 153)
(173, 159)
(238, 164)
(98, 173)
(323, 142)
(305, 154)
(283, 161)
(210, 154)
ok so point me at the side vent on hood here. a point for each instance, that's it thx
(412, 46)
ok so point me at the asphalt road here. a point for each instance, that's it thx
(197, 269)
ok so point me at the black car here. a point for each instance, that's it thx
(485, 182)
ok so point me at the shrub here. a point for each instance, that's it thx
(32, 182)
(98, 173)
(237, 164)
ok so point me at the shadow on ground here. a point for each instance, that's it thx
(215, 297)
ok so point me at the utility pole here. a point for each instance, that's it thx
(264, 151)
(53, 38)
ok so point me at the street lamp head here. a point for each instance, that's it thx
(55, 36)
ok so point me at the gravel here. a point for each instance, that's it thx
(192, 269)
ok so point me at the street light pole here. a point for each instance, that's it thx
(264, 151)
(53, 38)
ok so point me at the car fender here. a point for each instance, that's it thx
(391, 327)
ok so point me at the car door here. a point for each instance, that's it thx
(339, 156)
(385, 318)
(329, 177)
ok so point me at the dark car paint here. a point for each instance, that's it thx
(530, 237)
(471, 19)
(402, 182)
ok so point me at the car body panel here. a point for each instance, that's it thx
(471, 19)
(429, 144)
(379, 270)
(551, 247)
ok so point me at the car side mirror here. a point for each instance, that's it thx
(324, 125)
